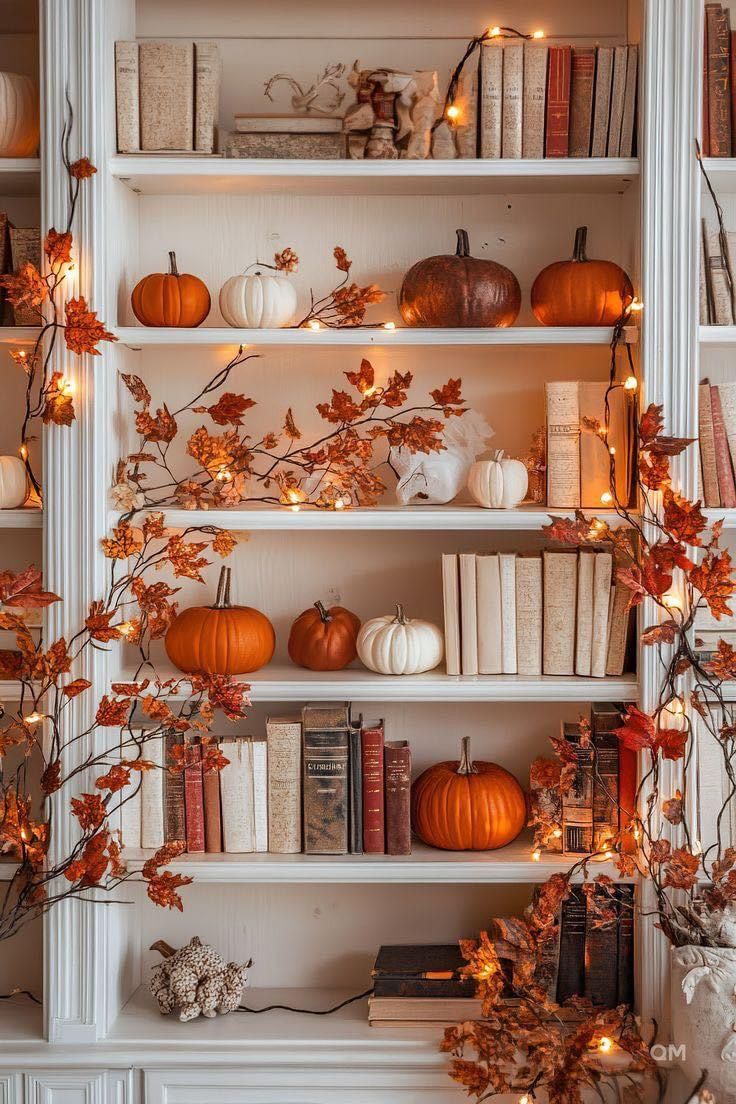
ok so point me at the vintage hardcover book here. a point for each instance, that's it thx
(513, 99)
(323, 147)
(595, 466)
(468, 615)
(259, 756)
(212, 811)
(571, 970)
(419, 987)
(288, 124)
(625, 988)
(563, 444)
(704, 307)
(490, 630)
(727, 393)
(618, 629)
(582, 81)
(451, 607)
(173, 784)
(326, 799)
(284, 741)
(602, 101)
(718, 279)
(558, 102)
(601, 954)
(584, 628)
(129, 816)
(415, 1011)
(724, 471)
(535, 100)
(152, 796)
(419, 962)
(25, 247)
(236, 796)
(355, 769)
(507, 573)
(194, 799)
(577, 801)
(529, 606)
(491, 98)
(167, 95)
(605, 718)
(618, 93)
(601, 599)
(397, 756)
(560, 597)
(207, 75)
(466, 130)
(732, 80)
(628, 123)
(719, 93)
(372, 753)
(707, 446)
(705, 122)
(127, 99)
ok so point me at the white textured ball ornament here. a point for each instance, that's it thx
(396, 645)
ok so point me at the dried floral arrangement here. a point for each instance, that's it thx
(345, 305)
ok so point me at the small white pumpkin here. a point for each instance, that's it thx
(19, 120)
(394, 645)
(499, 483)
(13, 483)
(257, 301)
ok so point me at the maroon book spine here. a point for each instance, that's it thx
(558, 101)
(194, 799)
(719, 93)
(212, 811)
(732, 78)
(374, 834)
(398, 797)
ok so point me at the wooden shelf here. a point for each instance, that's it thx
(27, 517)
(20, 176)
(154, 175)
(19, 335)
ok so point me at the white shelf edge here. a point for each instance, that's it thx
(18, 335)
(721, 513)
(24, 518)
(717, 335)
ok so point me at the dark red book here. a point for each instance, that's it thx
(374, 835)
(558, 101)
(194, 799)
(582, 79)
(397, 757)
(212, 811)
(705, 136)
(719, 80)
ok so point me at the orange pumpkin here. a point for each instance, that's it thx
(324, 639)
(580, 292)
(220, 639)
(170, 298)
(467, 806)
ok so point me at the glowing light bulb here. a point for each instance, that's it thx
(605, 1045)
(26, 834)
(557, 833)
(126, 628)
(536, 855)
(295, 509)
(672, 602)
(389, 325)
(34, 718)
(524, 1099)
(494, 32)
(23, 452)
(66, 386)
(606, 498)
(339, 504)
(314, 324)
(636, 305)
(224, 475)
(612, 450)
(608, 855)
(631, 383)
(538, 34)
(453, 112)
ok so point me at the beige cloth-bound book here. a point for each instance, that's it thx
(584, 633)
(602, 101)
(127, 97)
(601, 600)
(513, 100)
(717, 277)
(534, 100)
(237, 796)
(560, 600)
(707, 446)
(451, 605)
(529, 609)
(152, 796)
(491, 98)
(207, 74)
(507, 571)
(563, 444)
(728, 405)
(618, 625)
(468, 615)
(618, 92)
(628, 123)
(284, 739)
(490, 629)
(595, 469)
(167, 95)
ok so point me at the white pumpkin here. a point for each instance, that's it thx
(19, 120)
(499, 483)
(394, 645)
(13, 482)
(257, 301)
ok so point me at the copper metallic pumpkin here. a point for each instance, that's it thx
(324, 639)
(581, 292)
(171, 298)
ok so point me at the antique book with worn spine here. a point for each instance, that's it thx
(571, 969)
(451, 607)
(584, 628)
(212, 810)
(288, 124)
(207, 73)
(194, 799)
(127, 100)
(466, 129)
(718, 37)
(355, 770)
(581, 100)
(605, 718)
(259, 759)
(432, 970)
(326, 800)
(129, 814)
(716, 273)
(601, 952)
(707, 446)
(167, 95)
(618, 92)
(491, 98)
(724, 472)
(628, 123)
(602, 101)
(372, 761)
(490, 631)
(238, 796)
(535, 99)
(513, 99)
(507, 573)
(323, 147)
(625, 931)
(601, 601)
(618, 628)
(174, 819)
(25, 247)
(397, 769)
(560, 599)
(577, 801)
(152, 796)
(468, 615)
(529, 606)
(727, 392)
(557, 132)
(563, 444)
(284, 743)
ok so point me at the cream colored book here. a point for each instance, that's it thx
(601, 600)
(618, 629)
(491, 98)
(468, 615)
(451, 605)
(167, 95)
(595, 466)
(207, 75)
(237, 797)
(128, 817)
(259, 755)
(584, 629)
(560, 600)
(563, 444)
(127, 100)
(513, 100)
(284, 738)
(152, 796)
(535, 98)
(507, 572)
(466, 131)
(728, 404)
(529, 608)
(602, 102)
(618, 92)
(490, 630)
(717, 276)
(628, 123)
(707, 446)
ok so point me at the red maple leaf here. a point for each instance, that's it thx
(638, 730)
(162, 889)
(83, 331)
(89, 810)
(682, 518)
(229, 409)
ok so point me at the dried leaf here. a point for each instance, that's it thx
(82, 169)
(83, 331)
(137, 388)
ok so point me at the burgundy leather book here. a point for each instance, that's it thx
(558, 101)
(397, 765)
(374, 835)
(719, 92)
(194, 799)
(174, 823)
(212, 811)
(581, 100)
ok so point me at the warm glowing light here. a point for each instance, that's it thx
(126, 628)
(605, 1045)
(494, 32)
(636, 833)
(224, 475)
(672, 602)
(557, 833)
(453, 112)
(524, 1099)
(389, 325)
(606, 498)
(697, 847)
(369, 391)
(314, 324)
(536, 856)
(608, 855)
(597, 525)
(34, 718)
(19, 354)
(636, 305)
(676, 706)
(295, 509)
(631, 383)
(66, 386)
(612, 450)
(339, 504)
(23, 452)
(538, 34)
(26, 834)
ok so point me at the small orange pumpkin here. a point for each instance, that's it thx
(467, 806)
(220, 639)
(170, 298)
(580, 292)
(324, 639)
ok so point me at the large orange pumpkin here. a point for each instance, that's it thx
(220, 639)
(580, 292)
(324, 639)
(467, 806)
(170, 298)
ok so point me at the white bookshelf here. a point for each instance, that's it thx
(20, 176)
(27, 517)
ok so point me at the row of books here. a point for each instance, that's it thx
(18, 246)
(719, 83)
(323, 784)
(167, 96)
(561, 613)
(717, 443)
(555, 101)
(578, 461)
(717, 271)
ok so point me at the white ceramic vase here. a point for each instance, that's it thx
(703, 998)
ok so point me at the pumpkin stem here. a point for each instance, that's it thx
(466, 765)
(401, 618)
(222, 600)
(163, 948)
(322, 612)
(581, 235)
(173, 270)
(463, 244)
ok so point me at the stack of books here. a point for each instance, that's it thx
(300, 136)
(415, 985)
(591, 959)
(719, 85)
(561, 613)
(321, 784)
(18, 246)
(717, 443)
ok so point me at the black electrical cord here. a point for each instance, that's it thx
(21, 993)
(306, 1011)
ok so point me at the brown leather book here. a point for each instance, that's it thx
(581, 100)
(558, 101)
(726, 486)
(397, 755)
(193, 800)
(174, 823)
(326, 800)
(732, 77)
(705, 127)
(212, 811)
(719, 92)
(374, 834)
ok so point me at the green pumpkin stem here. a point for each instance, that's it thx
(581, 236)
(463, 244)
(466, 765)
(173, 270)
(322, 612)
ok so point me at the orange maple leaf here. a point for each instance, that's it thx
(224, 543)
(162, 427)
(58, 247)
(58, 405)
(723, 663)
(714, 579)
(89, 810)
(137, 388)
(26, 288)
(98, 624)
(229, 409)
(162, 889)
(112, 714)
(82, 169)
(124, 542)
(682, 518)
(83, 330)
